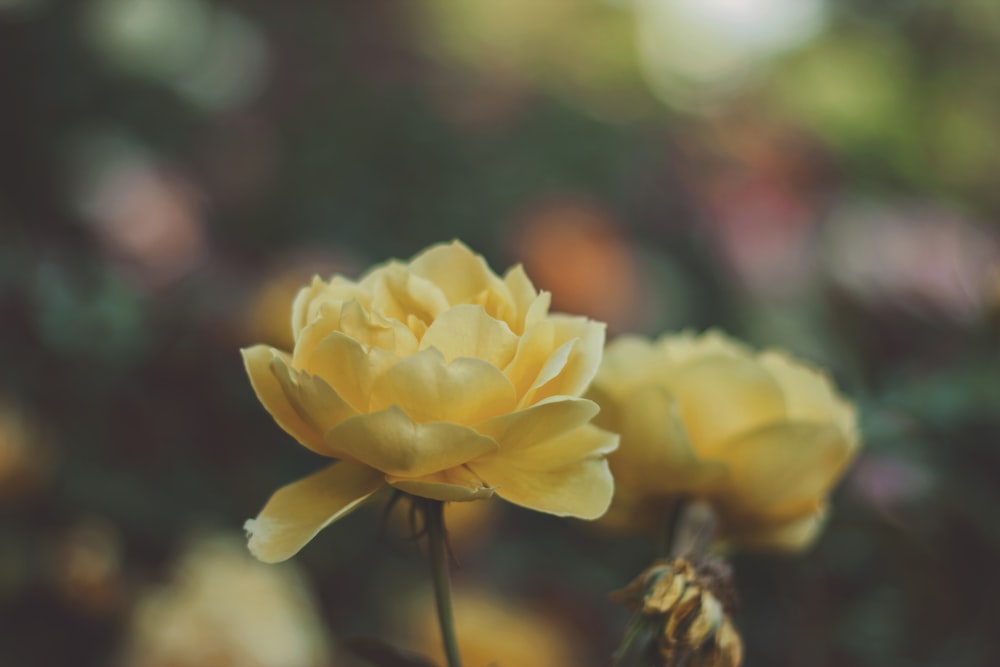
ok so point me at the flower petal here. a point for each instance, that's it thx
(464, 391)
(257, 360)
(630, 362)
(346, 366)
(467, 331)
(540, 422)
(583, 442)
(313, 399)
(582, 361)
(582, 489)
(400, 293)
(373, 330)
(721, 397)
(454, 484)
(522, 293)
(809, 393)
(460, 273)
(656, 455)
(538, 358)
(390, 441)
(298, 511)
(783, 470)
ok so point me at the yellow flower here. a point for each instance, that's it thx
(441, 379)
(224, 609)
(492, 629)
(762, 437)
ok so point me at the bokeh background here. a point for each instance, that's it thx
(818, 175)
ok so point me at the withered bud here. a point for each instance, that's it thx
(691, 611)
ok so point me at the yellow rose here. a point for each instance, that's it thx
(763, 437)
(441, 379)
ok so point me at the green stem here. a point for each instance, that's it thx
(434, 515)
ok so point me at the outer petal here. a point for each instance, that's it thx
(390, 441)
(784, 470)
(430, 390)
(809, 394)
(454, 484)
(656, 455)
(543, 421)
(257, 360)
(582, 489)
(296, 512)
(722, 397)
(467, 331)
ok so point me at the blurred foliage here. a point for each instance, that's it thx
(164, 163)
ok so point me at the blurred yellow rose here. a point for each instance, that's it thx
(224, 609)
(762, 437)
(441, 379)
(493, 630)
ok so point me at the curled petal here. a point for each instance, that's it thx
(467, 331)
(464, 391)
(454, 484)
(390, 441)
(784, 470)
(257, 360)
(296, 512)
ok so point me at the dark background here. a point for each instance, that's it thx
(820, 177)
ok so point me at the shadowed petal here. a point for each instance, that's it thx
(390, 441)
(454, 484)
(296, 512)
(312, 399)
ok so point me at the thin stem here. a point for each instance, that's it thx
(434, 514)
